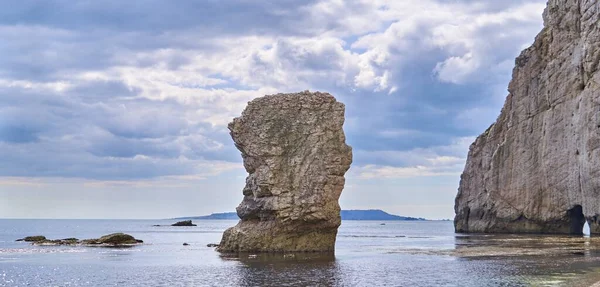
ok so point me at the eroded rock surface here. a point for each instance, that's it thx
(294, 150)
(110, 240)
(537, 169)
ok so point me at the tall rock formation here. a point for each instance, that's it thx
(537, 169)
(294, 150)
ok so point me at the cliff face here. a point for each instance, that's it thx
(294, 150)
(537, 168)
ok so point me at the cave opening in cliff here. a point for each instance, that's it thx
(576, 219)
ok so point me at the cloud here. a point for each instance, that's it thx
(120, 91)
(475, 41)
(419, 162)
(88, 131)
(373, 171)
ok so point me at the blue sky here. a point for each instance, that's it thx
(113, 109)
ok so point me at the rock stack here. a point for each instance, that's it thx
(293, 147)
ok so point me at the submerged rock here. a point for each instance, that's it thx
(536, 169)
(70, 239)
(184, 223)
(294, 150)
(111, 240)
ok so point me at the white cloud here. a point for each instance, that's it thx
(420, 162)
(457, 69)
(471, 41)
(56, 86)
(379, 172)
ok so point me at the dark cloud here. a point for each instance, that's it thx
(17, 134)
(211, 17)
(488, 6)
(102, 91)
(100, 130)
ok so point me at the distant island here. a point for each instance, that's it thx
(374, 214)
(371, 214)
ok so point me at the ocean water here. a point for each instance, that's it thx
(368, 253)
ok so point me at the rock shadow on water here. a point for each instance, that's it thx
(250, 258)
(285, 269)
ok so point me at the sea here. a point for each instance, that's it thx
(368, 253)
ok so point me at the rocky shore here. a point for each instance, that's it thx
(110, 240)
(535, 170)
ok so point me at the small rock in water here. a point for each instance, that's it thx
(118, 238)
(212, 245)
(382, 224)
(33, 238)
(184, 223)
(185, 244)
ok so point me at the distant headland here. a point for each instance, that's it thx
(371, 214)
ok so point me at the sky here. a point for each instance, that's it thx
(119, 109)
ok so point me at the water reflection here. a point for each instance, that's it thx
(419, 254)
(524, 245)
(537, 260)
(294, 269)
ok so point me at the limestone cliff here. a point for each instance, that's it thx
(294, 150)
(537, 168)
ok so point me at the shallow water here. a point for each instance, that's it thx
(367, 254)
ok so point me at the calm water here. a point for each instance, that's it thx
(368, 254)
